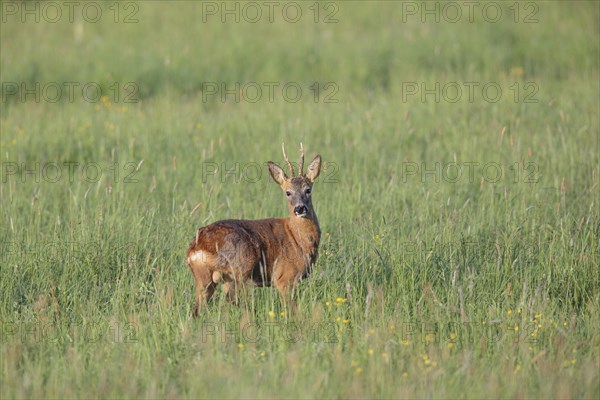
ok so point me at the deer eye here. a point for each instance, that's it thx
(307, 191)
(288, 193)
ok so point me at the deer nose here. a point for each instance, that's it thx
(300, 210)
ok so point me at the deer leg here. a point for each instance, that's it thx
(205, 287)
(237, 288)
(286, 300)
(285, 286)
(230, 292)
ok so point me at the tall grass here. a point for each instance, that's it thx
(432, 281)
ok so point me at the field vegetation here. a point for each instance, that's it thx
(458, 202)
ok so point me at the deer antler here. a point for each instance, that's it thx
(301, 165)
(287, 161)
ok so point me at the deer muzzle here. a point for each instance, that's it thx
(300, 211)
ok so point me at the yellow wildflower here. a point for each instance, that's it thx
(517, 71)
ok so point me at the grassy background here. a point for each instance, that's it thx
(427, 285)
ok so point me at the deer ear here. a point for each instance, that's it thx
(277, 173)
(312, 172)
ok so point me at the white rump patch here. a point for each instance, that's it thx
(199, 256)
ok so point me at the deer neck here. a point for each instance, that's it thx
(306, 231)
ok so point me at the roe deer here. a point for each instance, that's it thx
(278, 251)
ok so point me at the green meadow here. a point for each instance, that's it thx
(458, 200)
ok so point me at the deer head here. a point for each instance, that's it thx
(297, 188)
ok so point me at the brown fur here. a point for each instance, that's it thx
(278, 251)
